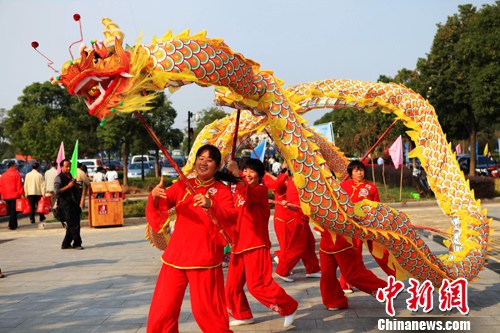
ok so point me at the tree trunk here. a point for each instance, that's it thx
(125, 150)
(472, 140)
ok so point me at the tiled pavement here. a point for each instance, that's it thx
(107, 287)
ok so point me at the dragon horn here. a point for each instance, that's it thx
(111, 30)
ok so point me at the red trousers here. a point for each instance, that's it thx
(382, 262)
(298, 244)
(208, 303)
(350, 263)
(254, 268)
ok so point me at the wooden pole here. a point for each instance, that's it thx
(235, 135)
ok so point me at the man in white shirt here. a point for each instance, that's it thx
(99, 176)
(112, 175)
(34, 188)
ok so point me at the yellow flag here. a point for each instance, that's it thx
(485, 150)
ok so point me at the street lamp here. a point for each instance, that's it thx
(191, 130)
(190, 114)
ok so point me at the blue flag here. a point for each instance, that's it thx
(260, 150)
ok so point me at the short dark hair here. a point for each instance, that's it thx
(255, 165)
(54, 164)
(35, 165)
(11, 164)
(65, 160)
(355, 165)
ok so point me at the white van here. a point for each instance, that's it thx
(91, 164)
(145, 158)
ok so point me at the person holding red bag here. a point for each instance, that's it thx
(34, 187)
(11, 188)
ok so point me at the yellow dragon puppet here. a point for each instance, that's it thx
(112, 79)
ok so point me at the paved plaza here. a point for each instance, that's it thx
(108, 286)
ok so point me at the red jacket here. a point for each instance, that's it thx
(195, 241)
(252, 229)
(360, 191)
(356, 192)
(278, 186)
(11, 186)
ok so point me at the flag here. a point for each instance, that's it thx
(326, 130)
(396, 152)
(458, 149)
(485, 152)
(260, 150)
(74, 160)
(60, 157)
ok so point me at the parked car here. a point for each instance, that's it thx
(145, 158)
(28, 168)
(484, 166)
(168, 170)
(113, 163)
(3, 168)
(134, 170)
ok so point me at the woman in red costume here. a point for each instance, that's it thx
(336, 251)
(250, 258)
(358, 188)
(294, 235)
(195, 250)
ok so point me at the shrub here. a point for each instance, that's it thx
(484, 187)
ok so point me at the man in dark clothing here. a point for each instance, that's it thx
(11, 188)
(68, 205)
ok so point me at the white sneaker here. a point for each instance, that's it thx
(314, 275)
(239, 322)
(289, 320)
(285, 278)
(348, 291)
(276, 259)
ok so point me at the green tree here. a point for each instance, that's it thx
(461, 73)
(46, 115)
(127, 133)
(204, 118)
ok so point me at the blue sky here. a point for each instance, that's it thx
(300, 41)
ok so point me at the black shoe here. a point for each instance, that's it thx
(42, 218)
(12, 228)
(32, 222)
(78, 248)
(64, 247)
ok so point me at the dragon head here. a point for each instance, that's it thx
(107, 76)
(99, 76)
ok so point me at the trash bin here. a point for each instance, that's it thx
(105, 204)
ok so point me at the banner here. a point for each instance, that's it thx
(396, 152)
(326, 130)
(60, 157)
(74, 160)
(260, 150)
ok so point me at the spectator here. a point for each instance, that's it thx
(99, 176)
(68, 206)
(112, 174)
(276, 168)
(34, 189)
(11, 188)
(50, 176)
(83, 180)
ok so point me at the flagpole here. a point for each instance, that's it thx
(181, 175)
(401, 184)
